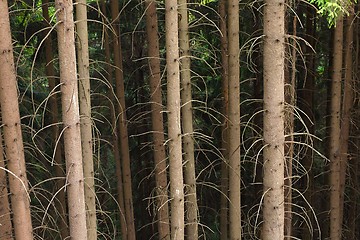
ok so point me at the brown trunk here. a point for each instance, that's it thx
(191, 217)
(234, 122)
(71, 120)
(121, 123)
(85, 119)
(274, 63)
(334, 154)
(14, 149)
(174, 130)
(224, 204)
(157, 120)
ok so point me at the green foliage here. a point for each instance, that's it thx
(332, 9)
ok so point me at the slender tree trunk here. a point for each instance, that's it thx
(71, 120)
(289, 92)
(157, 120)
(187, 124)
(335, 166)
(5, 211)
(274, 60)
(59, 171)
(234, 122)
(85, 117)
(14, 148)
(174, 130)
(121, 123)
(224, 204)
(115, 139)
(347, 106)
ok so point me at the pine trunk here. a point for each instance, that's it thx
(234, 121)
(85, 117)
(334, 154)
(11, 123)
(157, 120)
(174, 130)
(71, 120)
(274, 63)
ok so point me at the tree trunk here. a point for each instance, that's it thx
(157, 120)
(57, 145)
(334, 154)
(14, 148)
(121, 123)
(85, 117)
(5, 211)
(174, 130)
(71, 120)
(274, 60)
(347, 106)
(224, 204)
(191, 218)
(234, 122)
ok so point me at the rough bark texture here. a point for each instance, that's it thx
(14, 148)
(122, 125)
(234, 122)
(157, 120)
(58, 161)
(224, 203)
(71, 120)
(334, 154)
(174, 129)
(274, 56)
(191, 217)
(5, 211)
(85, 117)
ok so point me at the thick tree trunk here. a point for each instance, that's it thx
(224, 203)
(121, 123)
(274, 60)
(191, 217)
(58, 161)
(14, 148)
(334, 154)
(174, 130)
(85, 117)
(157, 120)
(71, 120)
(5, 211)
(234, 122)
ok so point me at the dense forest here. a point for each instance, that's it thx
(179, 119)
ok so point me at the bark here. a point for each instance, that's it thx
(174, 130)
(234, 121)
(14, 148)
(122, 124)
(191, 218)
(157, 120)
(334, 150)
(274, 58)
(5, 211)
(85, 117)
(347, 106)
(224, 205)
(71, 120)
(62, 221)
